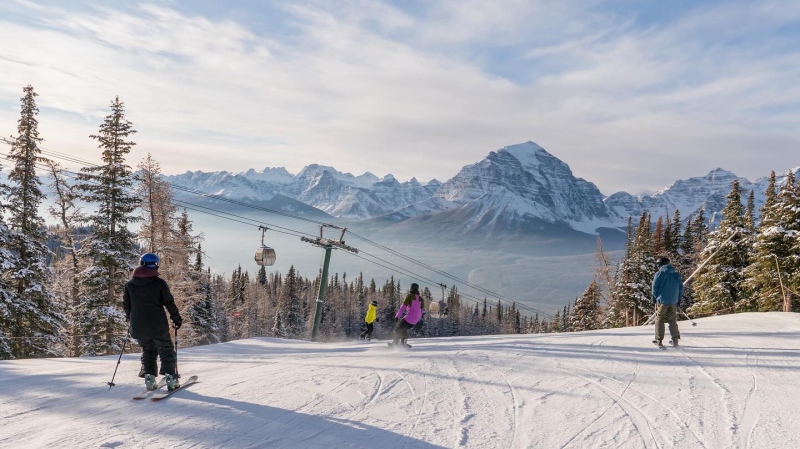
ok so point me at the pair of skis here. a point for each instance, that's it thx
(156, 395)
(661, 346)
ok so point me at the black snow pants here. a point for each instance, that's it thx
(367, 334)
(152, 349)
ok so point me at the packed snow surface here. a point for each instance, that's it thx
(733, 384)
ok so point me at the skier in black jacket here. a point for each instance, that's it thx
(146, 295)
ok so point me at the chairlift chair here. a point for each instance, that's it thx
(265, 256)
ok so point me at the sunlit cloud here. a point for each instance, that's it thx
(632, 99)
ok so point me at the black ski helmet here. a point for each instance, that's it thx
(662, 261)
(149, 260)
(414, 288)
(374, 303)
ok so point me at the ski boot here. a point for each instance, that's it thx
(150, 382)
(658, 343)
(674, 342)
(172, 382)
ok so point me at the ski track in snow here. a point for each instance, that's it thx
(749, 415)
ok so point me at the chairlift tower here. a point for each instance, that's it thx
(327, 245)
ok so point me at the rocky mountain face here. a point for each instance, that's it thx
(519, 189)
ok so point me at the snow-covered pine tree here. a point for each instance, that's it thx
(718, 286)
(658, 237)
(792, 214)
(289, 316)
(8, 301)
(202, 312)
(771, 277)
(672, 235)
(771, 244)
(39, 325)
(388, 305)
(693, 241)
(586, 312)
(219, 295)
(111, 250)
(750, 213)
(452, 321)
(555, 323)
(618, 309)
(635, 278)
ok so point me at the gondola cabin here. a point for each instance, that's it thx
(265, 256)
(434, 309)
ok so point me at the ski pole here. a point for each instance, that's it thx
(176, 353)
(688, 317)
(127, 336)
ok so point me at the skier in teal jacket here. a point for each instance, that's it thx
(667, 291)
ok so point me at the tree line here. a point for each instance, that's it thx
(743, 265)
(61, 284)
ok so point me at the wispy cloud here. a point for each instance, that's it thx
(418, 89)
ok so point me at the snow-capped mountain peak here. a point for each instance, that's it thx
(515, 185)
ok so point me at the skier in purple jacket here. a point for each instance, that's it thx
(408, 316)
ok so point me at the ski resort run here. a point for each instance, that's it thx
(732, 385)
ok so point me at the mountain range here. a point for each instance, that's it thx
(517, 222)
(519, 190)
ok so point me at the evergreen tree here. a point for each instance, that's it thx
(672, 235)
(772, 274)
(636, 274)
(38, 327)
(290, 319)
(619, 306)
(586, 312)
(791, 214)
(718, 286)
(659, 237)
(203, 311)
(9, 303)
(771, 244)
(750, 213)
(111, 250)
(555, 324)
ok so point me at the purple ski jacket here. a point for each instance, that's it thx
(412, 308)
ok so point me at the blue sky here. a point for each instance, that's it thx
(633, 95)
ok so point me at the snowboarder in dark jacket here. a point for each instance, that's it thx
(146, 295)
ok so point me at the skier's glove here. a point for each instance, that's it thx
(177, 321)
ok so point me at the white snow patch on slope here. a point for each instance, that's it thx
(730, 385)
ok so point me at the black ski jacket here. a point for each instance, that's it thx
(146, 295)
